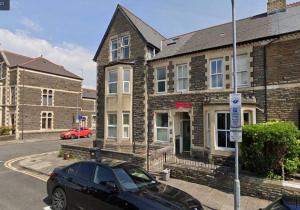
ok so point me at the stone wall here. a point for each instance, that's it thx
(250, 186)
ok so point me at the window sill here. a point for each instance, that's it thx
(225, 149)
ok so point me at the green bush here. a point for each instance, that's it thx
(5, 130)
(267, 147)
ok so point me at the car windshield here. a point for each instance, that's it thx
(133, 178)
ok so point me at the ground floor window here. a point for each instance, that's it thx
(208, 131)
(112, 125)
(223, 131)
(47, 120)
(125, 124)
(93, 122)
(162, 128)
(84, 121)
(247, 118)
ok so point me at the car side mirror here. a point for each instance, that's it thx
(112, 187)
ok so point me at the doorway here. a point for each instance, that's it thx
(183, 133)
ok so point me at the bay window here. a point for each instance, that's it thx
(162, 128)
(223, 131)
(125, 125)
(216, 73)
(182, 77)
(126, 81)
(112, 125)
(112, 82)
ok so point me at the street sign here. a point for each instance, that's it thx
(236, 135)
(235, 110)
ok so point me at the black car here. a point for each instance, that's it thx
(287, 202)
(94, 185)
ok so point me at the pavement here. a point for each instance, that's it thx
(43, 164)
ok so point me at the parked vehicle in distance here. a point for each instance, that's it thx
(286, 202)
(94, 185)
(73, 133)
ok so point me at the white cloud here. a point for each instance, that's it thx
(73, 57)
(30, 24)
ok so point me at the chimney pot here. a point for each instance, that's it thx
(275, 6)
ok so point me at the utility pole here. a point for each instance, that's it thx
(236, 111)
(79, 98)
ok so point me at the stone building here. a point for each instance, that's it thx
(175, 91)
(40, 98)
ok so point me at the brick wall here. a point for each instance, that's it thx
(197, 72)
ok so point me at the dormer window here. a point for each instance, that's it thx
(125, 47)
(114, 50)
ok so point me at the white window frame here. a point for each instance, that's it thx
(126, 82)
(222, 130)
(208, 129)
(240, 70)
(250, 117)
(161, 80)
(46, 118)
(112, 125)
(108, 81)
(113, 50)
(164, 128)
(182, 78)
(126, 125)
(93, 121)
(125, 46)
(2, 70)
(216, 74)
(48, 94)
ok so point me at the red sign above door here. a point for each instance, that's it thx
(180, 104)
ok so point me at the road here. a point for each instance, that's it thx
(19, 191)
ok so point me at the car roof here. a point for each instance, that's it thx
(107, 162)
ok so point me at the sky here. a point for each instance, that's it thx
(68, 32)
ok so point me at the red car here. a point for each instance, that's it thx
(73, 134)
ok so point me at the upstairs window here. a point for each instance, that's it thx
(47, 99)
(242, 71)
(125, 47)
(47, 120)
(114, 50)
(126, 81)
(161, 79)
(112, 82)
(182, 78)
(216, 70)
(13, 95)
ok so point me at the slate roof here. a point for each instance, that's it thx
(89, 93)
(252, 28)
(150, 35)
(38, 64)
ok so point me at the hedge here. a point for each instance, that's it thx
(270, 148)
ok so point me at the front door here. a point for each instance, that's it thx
(186, 135)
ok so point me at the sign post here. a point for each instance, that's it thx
(235, 115)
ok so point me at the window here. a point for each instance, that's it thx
(161, 79)
(112, 82)
(13, 95)
(1, 70)
(242, 71)
(216, 69)
(47, 120)
(125, 47)
(114, 50)
(182, 78)
(126, 125)
(47, 99)
(223, 131)
(162, 127)
(102, 175)
(94, 121)
(208, 131)
(112, 125)
(86, 171)
(72, 169)
(84, 121)
(126, 81)
(247, 118)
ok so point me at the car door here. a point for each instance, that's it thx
(102, 196)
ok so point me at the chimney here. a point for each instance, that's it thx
(275, 6)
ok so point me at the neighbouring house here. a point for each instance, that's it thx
(40, 98)
(174, 92)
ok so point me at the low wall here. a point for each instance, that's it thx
(77, 151)
(7, 137)
(250, 186)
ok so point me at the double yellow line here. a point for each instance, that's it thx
(9, 164)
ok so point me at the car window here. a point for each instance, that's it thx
(86, 171)
(72, 169)
(102, 175)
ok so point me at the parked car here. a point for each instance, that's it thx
(287, 202)
(94, 185)
(73, 134)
